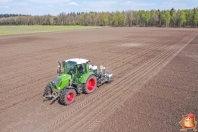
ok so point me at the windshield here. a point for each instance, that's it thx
(56, 81)
(69, 67)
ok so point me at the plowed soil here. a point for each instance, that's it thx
(155, 80)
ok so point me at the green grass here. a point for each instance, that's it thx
(9, 30)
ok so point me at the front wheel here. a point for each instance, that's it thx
(68, 96)
(90, 85)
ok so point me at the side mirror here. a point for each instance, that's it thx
(59, 68)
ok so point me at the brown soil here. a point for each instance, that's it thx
(155, 80)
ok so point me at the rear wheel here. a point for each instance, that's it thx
(90, 85)
(47, 91)
(67, 96)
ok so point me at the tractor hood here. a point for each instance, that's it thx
(61, 81)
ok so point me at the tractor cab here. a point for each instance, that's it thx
(75, 66)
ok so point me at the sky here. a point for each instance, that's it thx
(54, 7)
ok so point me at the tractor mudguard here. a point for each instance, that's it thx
(71, 87)
(84, 77)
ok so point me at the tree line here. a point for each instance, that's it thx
(11, 15)
(157, 18)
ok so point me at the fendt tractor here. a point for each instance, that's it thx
(76, 76)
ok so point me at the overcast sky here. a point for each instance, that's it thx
(54, 7)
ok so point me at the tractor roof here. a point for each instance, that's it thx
(78, 60)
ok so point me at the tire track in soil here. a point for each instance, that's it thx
(90, 99)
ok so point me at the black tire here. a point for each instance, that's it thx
(67, 96)
(47, 91)
(90, 85)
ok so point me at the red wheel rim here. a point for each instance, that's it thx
(91, 84)
(70, 97)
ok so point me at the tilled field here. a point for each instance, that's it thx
(153, 69)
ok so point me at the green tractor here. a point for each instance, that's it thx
(76, 76)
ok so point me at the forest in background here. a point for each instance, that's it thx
(157, 18)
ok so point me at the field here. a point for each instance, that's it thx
(10, 30)
(155, 80)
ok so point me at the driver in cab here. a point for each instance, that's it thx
(80, 69)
